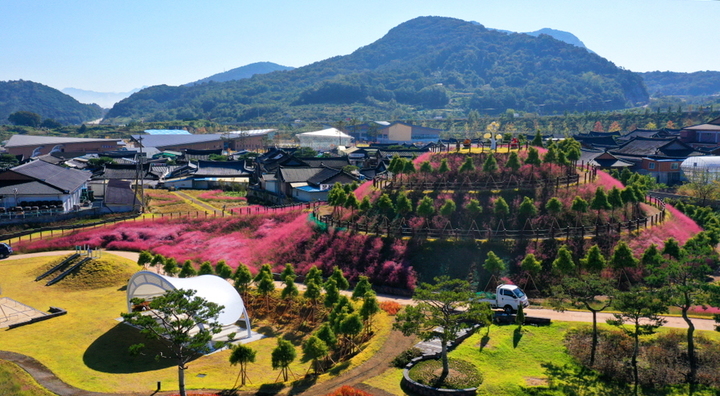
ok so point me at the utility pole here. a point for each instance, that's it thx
(139, 191)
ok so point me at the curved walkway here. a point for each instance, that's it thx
(374, 366)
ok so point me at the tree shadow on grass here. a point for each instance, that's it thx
(517, 336)
(572, 380)
(110, 352)
(270, 389)
(484, 341)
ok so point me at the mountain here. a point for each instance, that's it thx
(702, 83)
(561, 35)
(104, 99)
(566, 37)
(242, 72)
(428, 64)
(45, 101)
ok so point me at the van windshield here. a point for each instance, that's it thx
(519, 293)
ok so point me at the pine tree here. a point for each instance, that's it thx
(265, 287)
(144, 258)
(501, 208)
(554, 206)
(315, 349)
(531, 264)
(187, 270)
(537, 140)
(403, 203)
(171, 266)
(622, 257)
(672, 248)
(550, 156)
(243, 278)
(564, 261)
(332, 294)
(425, 207)
(223, 270)
(282, 356)
(443, 167)
(594, 261)
(600, 201)
(242, 354)
(468, 165)
(490, 165)
(340, 280)
(494, 264)
(473, 208)
(361, 288)
(448, 208)
(289, 270)
(205, 268)
(526, 210)
(369, 308)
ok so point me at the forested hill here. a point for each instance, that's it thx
(424, 64)
(241, 72)
(45, 101)
(702, 83)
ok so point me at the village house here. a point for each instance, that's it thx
(42, 184)
(28, 146)
(657, 157)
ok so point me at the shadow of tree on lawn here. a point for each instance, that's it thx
(110, 352)
(572, 380)
(517, 336)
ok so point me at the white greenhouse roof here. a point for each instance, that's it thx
(330, 132)
(709, 162)
(146, 285)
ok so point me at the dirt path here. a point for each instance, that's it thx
(376, 365)
(196, 202)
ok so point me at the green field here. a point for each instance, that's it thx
(88, 347)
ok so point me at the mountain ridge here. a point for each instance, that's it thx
(48, 102)
(242, 72)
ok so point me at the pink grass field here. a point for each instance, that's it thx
(677, 225)
(255, 239)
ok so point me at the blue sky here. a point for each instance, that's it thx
(115, 46)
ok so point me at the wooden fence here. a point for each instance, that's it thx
(400, 229)
(49, 232)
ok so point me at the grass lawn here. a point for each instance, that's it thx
(88, 347)
(17, 382)
(517, 363)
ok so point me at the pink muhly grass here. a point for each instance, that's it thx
(604, 179)
(423, 157)
(677, 225)
(363, 190)
(704, 310)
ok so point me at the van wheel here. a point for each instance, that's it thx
(509, 310)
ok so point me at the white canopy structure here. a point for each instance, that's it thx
(146, 285)
(324, 140)
(702, 169)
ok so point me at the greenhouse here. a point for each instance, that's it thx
(701, 169)
(325, 140)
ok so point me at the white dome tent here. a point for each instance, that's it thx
(146, 285)
(702, 169)
(324, 140)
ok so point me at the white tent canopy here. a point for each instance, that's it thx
(702, 169)
(146, 285)
(324, 140)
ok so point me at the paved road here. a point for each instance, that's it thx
(568, 316)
